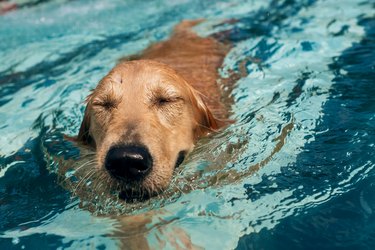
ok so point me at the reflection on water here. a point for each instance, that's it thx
(297, 167)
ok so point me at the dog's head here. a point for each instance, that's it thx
(142, 119)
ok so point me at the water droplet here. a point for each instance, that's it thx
(69, 174)
(15, 241)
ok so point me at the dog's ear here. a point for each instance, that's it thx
(84, 136)
(206, 121)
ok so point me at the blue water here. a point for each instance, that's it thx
(296, 170)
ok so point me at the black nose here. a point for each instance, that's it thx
(128, 162)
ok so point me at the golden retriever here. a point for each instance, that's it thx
(147, 113)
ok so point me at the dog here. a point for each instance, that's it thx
(148, 112)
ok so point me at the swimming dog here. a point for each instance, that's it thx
(148, 112)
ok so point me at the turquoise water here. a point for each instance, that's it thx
(296, 170)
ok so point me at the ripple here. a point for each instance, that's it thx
(297, 166)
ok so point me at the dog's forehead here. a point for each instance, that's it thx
(148, 77)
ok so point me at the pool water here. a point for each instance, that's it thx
(296, 170)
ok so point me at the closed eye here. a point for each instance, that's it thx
(107, 104)
(167, 100)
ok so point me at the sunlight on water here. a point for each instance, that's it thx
(302, 140)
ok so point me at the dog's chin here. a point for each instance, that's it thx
(133, 192)
(134, 196)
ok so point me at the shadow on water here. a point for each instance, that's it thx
(346, 143)
(29, 192)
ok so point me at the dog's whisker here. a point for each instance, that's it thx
(175, 186)
(85, 164)
(68, 177)
(84, 179)
(78, 187)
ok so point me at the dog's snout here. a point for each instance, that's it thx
(128, 162)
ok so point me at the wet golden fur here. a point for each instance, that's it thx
(165, 98)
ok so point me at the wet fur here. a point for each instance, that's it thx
(165, 99)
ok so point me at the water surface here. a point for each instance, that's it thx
(295, 171)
